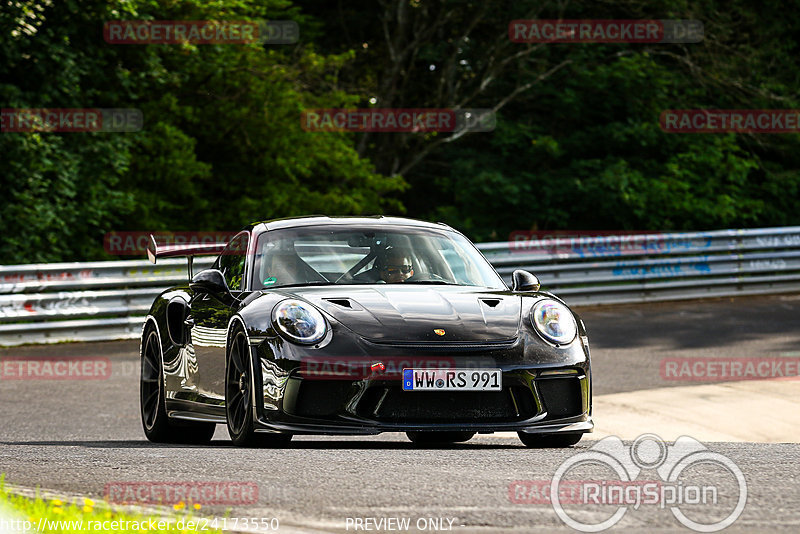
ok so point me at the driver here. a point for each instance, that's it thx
(396, 266)
(393, 265)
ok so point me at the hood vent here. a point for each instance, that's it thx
(344, 303)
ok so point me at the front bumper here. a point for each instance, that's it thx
(531, 400)
(545, 389)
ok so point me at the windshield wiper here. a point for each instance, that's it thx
(439, 282)
(312, 283)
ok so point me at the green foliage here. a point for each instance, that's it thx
(82, 514)
(577, 144)
(585, 150)
(221, 144)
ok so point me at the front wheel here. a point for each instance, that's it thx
(238, 397)
(438, 438)
(157, 426)
(549, 441)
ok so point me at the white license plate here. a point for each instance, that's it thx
(452, 379)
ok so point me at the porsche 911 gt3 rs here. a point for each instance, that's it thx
(359, 325)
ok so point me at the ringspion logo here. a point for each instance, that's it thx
(687, 484)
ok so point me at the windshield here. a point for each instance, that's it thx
(325, 255)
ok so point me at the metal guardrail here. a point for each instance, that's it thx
(48, 303)
(651, 267)
(56, 302)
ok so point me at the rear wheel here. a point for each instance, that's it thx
(157, 426)
(549, 441)
(433, 437)
(238, 397)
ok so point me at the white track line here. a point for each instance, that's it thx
(759, 411)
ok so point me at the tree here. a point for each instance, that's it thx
(221, 144)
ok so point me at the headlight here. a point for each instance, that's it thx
(300, 321)
(554, 321)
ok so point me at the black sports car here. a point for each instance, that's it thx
(320, 325)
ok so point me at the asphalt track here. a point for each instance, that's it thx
(75, 437)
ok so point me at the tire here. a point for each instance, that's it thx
(549, 441)
(156, 424)
(438, 438)
(238, 398)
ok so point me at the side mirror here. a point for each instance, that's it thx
(209, 281)
(524, 281)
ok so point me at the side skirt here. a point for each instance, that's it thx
(195, 411)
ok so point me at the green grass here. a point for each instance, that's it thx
(86, 515)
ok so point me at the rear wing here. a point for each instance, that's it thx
(188, 251)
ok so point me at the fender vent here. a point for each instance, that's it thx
(492, 303)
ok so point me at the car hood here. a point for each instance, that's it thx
(406, 313)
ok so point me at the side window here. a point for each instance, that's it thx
(232, 261)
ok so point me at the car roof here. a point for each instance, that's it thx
(323, 220)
